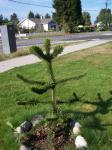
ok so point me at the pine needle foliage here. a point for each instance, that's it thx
(41, 87)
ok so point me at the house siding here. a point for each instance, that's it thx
(45, 27)
(39, 25)
(27, 24)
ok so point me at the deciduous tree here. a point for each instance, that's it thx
(105, 17)
(86, 18)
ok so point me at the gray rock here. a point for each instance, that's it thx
(37, 119)
(72, 123)
(18, 130)
(26, 126)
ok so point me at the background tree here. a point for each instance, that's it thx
(37, 15)
(68, 13)
(105, 17)
(47, 16)
(58, 15)
(1, 19)
(31, 15)
(6, 21)
(86, 18)
(14, 19)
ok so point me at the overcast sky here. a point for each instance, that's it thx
(7, 7)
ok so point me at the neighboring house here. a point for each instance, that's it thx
(38, 24)
(100, 26)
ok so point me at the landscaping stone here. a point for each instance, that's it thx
(18, 130)
(27, 142)
(23, 147)
(26, 126)
(37, 119)
(80, 142)
(72, 123)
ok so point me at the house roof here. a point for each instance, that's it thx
(38, 21)
(45, 21)
(41, 21)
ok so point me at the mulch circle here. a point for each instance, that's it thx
(39, 140)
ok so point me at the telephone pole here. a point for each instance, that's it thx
(106, 19)
(106, 4)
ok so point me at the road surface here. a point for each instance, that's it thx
(76, 36)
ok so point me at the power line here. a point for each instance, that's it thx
(31, 4)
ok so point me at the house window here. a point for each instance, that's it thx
(53, 27)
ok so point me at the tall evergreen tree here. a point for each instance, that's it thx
(1, 19)
(37, 15)
(6, 21)
(31, 15)
(47, 16)
(14, 19)
(68, 13)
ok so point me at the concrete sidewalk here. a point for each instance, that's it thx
(85, 45)
(31, 59)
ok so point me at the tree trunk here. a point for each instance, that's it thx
(53, 87)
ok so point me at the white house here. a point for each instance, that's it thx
(38, 24)
(100, 25)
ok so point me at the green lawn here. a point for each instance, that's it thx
(95, 115)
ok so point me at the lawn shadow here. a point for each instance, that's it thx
(31, 102)
(103, 105)
(42, 90)
(90, 118)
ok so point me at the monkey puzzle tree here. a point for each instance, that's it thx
(57, 125)
(47, 55)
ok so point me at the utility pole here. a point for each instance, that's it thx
(106, 19)
(106, 4)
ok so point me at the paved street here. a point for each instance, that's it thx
(31, 59)
(68, 37)
(76, 36)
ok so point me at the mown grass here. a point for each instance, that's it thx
(94, 113)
